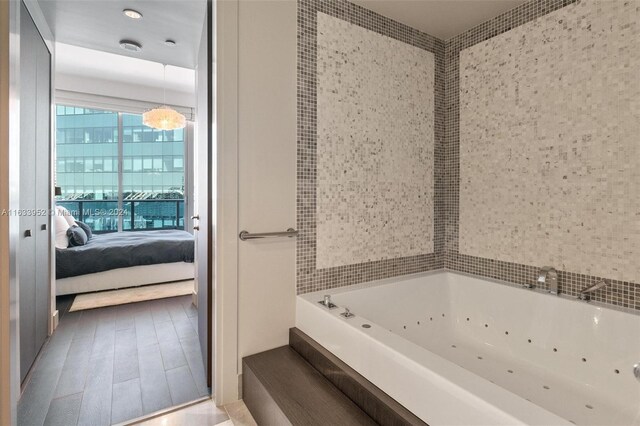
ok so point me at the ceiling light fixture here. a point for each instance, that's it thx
(170, 42)
(133, 14)
(163, 117)
(131, 46)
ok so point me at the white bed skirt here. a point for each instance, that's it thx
(126, 277)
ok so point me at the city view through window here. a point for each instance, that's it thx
(116, 173)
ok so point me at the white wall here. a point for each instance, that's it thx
(267, 172)
(256, 131)
(118, 89)
(225, 40)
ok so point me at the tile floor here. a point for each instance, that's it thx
(110, 365)
(205, 413)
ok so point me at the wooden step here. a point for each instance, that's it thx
(371, 399)
(281, 388)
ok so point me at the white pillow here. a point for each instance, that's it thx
(61, 211)
(61, 224)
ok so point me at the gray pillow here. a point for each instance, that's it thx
(77, 237)
(85, 228)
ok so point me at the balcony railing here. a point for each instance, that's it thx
(137, 215)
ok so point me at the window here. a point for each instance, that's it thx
(107, 159)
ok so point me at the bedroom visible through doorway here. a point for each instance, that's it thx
(116, 176)
(131, 285)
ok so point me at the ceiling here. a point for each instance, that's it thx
(440, 18)
(100, 25)
(82, 62)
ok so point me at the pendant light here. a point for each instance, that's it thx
(164, 117)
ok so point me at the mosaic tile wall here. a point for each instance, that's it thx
(558, 107)
(375, 136)
(311, 275)
(549, 153)
(446, 155)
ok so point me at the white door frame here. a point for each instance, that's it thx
(224, 42)
(224, 39)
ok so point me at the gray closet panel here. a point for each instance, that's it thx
(43, 189)
(33, 250)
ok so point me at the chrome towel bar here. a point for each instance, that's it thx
(246, 235)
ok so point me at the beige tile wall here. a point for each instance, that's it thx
(310, 275)
(550, 142)
(375, 146)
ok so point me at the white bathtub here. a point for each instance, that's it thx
(455, 349)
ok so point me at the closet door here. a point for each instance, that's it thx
(42, 189)
(27, 247)
(33, 257)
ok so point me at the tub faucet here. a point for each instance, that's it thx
(585, 293)
(327, 303)
(549, 275)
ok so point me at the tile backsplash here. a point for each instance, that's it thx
(534, 158)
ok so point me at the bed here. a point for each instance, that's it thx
(125, 259)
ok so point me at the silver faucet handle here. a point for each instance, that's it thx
(585, 293)
(347, 313)
(584, 296)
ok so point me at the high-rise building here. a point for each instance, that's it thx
(115, 172)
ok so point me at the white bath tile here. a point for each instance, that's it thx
(375, 115)
(239, 414)
(549, 153)
(204, 413)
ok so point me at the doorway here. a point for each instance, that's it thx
(116, 362)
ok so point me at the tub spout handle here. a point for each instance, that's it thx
(347, 313)
(585, 293)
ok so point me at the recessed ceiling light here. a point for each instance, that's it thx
(130, 45)
(133, 14)
(170, 42)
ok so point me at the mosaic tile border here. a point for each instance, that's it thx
(308, 277)
(619, 293)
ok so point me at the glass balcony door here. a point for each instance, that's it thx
(117, 174)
